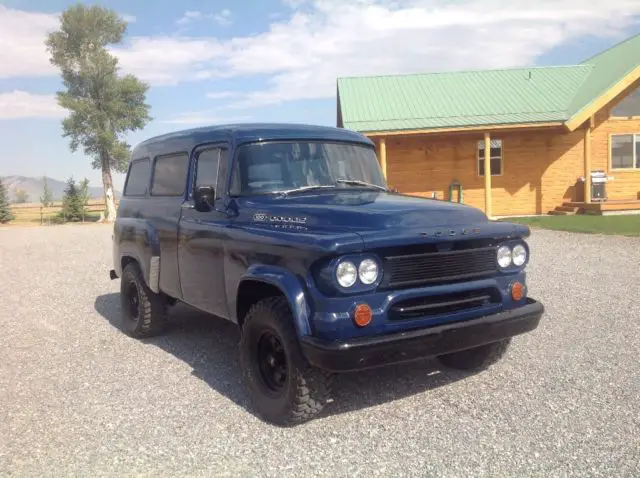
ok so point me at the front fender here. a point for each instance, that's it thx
(290, 286)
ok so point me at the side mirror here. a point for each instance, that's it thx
(204, 197)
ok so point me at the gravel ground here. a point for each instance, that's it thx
(78, 397)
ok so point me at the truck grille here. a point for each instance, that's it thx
(421, 307)
(434, 267)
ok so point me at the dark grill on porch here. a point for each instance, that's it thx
(439, 267)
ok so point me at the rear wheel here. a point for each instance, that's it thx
(477, 358)
(143, 312)
(284, 388)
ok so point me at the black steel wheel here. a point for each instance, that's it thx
(143, 312)
(272, 361)
(133, 299)
(284, 388)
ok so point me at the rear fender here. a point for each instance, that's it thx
(138, 239)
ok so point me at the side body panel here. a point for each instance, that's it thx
(163, 214)
(134, 237)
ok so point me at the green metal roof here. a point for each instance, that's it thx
(477, 98)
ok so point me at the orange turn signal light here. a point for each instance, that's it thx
(517, 291)
(362, 315)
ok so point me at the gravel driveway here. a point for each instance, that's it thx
(78, 397)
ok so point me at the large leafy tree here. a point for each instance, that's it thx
(103, 104)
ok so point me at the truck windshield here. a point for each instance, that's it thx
(286, 167)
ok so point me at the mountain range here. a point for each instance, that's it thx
(35, 187)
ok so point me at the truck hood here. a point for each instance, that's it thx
(379, 218)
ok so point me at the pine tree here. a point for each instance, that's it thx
(72, 208)
(5, 213)
(47, 198)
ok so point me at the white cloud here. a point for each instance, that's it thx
(223, 18)
(22, 50)
(169, 60)
(199, 118)
(20, 104)
(218, 95)
(128, 18)
(301, 55)
(188, 17)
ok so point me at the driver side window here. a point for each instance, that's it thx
(208, 169)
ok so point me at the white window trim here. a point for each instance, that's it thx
(636, 161)
(478, 158)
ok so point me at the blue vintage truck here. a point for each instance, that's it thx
(291, 232)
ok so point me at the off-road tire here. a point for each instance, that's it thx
(306, 390)
(477, 358)
(152, 307)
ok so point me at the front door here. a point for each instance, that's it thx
(202, 236)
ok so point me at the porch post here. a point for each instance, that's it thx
(487, 174)
(587, 162)
(383, 156)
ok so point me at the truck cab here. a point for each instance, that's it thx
(291, 232)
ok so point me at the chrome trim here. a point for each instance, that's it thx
(154, 274)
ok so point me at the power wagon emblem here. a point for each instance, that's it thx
(263, 217)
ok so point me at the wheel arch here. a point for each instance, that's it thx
(261, 282)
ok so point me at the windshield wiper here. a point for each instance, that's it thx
(305, 188)
(357, 182)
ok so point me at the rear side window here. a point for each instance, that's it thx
(170, 175)
(138, 178)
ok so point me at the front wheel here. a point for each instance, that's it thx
(284, 388)
(477, 358)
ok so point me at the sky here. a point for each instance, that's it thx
(230, 61)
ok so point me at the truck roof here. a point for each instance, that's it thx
(246, 133)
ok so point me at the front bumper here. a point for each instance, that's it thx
(368, 352)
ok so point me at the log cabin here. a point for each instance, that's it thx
(523, 141)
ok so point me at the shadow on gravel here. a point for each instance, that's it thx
(209, 345)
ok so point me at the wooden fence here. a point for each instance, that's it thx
(35, 213)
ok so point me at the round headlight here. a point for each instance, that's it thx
(346, 274)
(519, 255)
(368, 271)
(504, 256)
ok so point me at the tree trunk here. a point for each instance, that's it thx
(107, 183)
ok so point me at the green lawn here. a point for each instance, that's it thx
(621, 225)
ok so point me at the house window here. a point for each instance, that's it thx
(629, 107)
(625, 151)
(496, 157)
